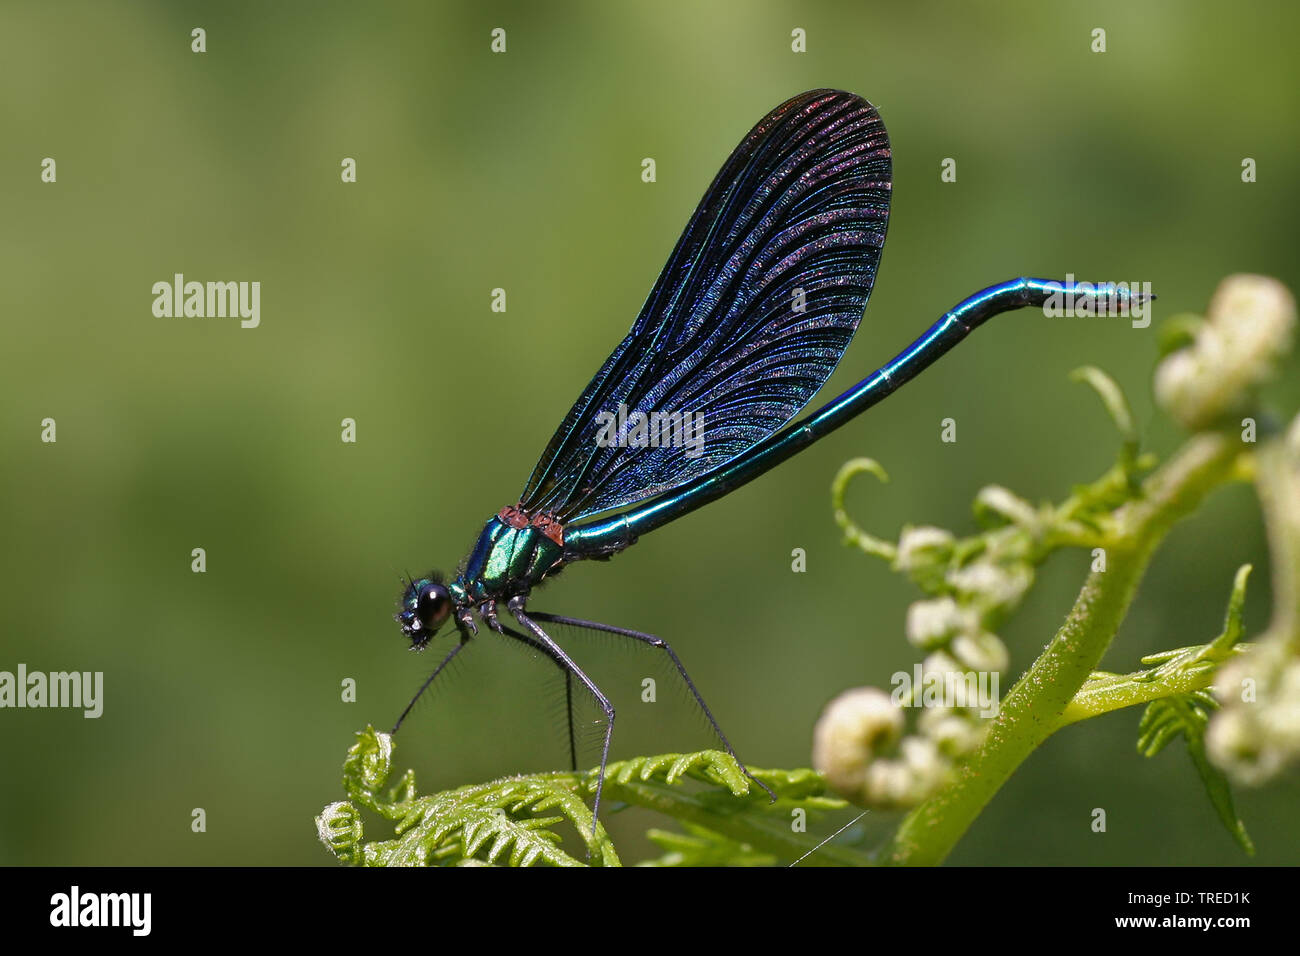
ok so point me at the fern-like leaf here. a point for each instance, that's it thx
(701, 847)
(708, 766)
(1189, 714)
(514, 821)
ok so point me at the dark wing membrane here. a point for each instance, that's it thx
(750, 316)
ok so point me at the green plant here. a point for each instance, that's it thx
(1236, 705)
(514, 820)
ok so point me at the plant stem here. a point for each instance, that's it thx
(1034, 707)
(1277, 480)
(1117, 691)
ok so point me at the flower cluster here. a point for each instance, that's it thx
(1256, 734)
(973, 584)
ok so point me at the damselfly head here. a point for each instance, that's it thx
(425, 606)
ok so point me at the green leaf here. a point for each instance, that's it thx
(701, 847)
(1188, 715)
(519, 821)
(709, 766)
(1117, 406)
(853, 534)
(1112, 397)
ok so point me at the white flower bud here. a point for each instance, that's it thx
(1254, 739)
(923, 546)
(981, 651)
(992, 585)
(905, 782)
(1250, 324)
(955, 734)
(1281, 719)
(996, 500)
(887, 785)
(923, 759)
(852, 732)
(933, 623)
(941, 663)
(1233, 743)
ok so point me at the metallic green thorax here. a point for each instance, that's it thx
(506, 561)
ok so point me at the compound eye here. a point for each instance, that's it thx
(433, 607)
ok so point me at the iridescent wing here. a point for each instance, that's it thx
(750, 315)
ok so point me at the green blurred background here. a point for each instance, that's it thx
(522, 171)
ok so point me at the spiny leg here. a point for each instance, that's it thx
(425, 686)
(568, 709)
(517, 609)
(488, 611)
(568, 685)
(659, 642)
